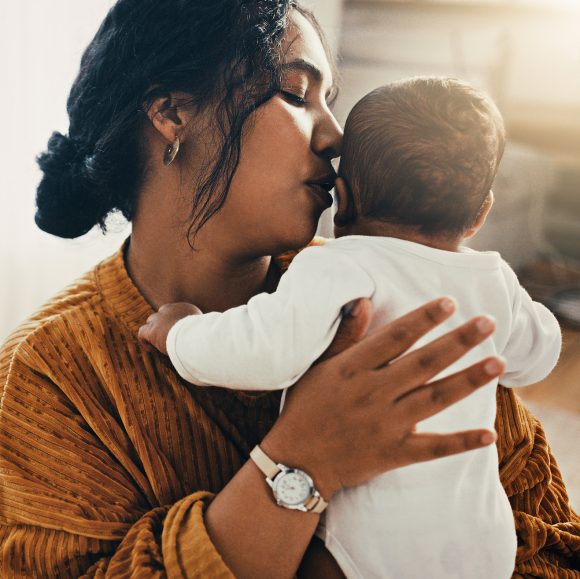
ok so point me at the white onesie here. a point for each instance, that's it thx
(444, 518)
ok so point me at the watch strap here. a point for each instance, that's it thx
(264, 463)
(315, 504)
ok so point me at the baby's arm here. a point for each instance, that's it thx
(535, 340)
(270, 342)
(154, 332)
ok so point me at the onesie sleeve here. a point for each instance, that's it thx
(535, 340)
(270, 342)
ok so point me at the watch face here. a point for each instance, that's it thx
(292, 488)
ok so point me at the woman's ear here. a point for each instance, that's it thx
(169, 115)
(481, 217)
(346, 211)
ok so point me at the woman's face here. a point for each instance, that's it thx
(273, 204)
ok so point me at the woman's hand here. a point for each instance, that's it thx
(353, 415)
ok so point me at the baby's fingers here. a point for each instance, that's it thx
(351, 330)
(144, 336)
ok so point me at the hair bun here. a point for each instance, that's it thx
(67, 199)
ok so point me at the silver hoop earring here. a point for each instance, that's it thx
(171, 152)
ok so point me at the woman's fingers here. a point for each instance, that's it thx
(351, 330)
(396, 337)
(420, 447)
(419, 366)
(427, 400)
(376, 391)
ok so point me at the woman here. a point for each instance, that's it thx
(207, 124)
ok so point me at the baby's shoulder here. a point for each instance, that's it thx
(508, 273)
(333, 254)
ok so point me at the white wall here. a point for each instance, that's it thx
(40, 49)
(329, 14)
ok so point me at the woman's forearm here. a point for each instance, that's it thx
(255, 537)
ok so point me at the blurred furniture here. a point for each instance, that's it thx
(515, 226)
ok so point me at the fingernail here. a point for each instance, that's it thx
(447, 305)
(493, 367)
(352, 309)
(347, 309)
(357, 309)
(485, 324)
(488, 437)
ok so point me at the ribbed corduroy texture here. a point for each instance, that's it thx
(108, 459)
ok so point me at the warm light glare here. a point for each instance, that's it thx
(551, 3)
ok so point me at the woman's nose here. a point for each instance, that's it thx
(327, 136)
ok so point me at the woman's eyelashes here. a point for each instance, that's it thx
(302, 94)
(294, 98)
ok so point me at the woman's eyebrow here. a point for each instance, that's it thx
(304, 66)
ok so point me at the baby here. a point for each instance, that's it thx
(418, 162)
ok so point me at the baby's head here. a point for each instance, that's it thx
(420, 155)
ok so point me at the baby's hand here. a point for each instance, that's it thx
(154, 332)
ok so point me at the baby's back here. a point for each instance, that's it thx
(449, 517)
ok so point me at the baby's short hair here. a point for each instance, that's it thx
(423, 152)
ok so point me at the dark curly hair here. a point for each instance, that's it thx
(224, 53)
(423, 152)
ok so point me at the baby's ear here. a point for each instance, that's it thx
(346, 212)
(481, 216)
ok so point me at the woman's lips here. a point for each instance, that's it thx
(321, 194)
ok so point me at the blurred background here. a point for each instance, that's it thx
(525, 53)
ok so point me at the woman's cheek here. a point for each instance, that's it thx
(290, 125)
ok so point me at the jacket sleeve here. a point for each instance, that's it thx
(69, 506)
(271, 341)
(548, 529)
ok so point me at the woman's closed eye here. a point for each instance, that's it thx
(294, 98)
(298, 98)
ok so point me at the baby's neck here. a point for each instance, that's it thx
(382, 229)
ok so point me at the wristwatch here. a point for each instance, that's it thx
(292, 487)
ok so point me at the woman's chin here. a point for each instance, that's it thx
(303, 235)
(294, 238)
